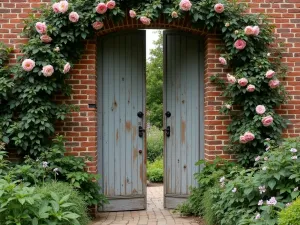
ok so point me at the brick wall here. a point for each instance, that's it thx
(81, 127)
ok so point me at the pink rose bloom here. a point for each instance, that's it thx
(223, 61)
(174, 14)
(74, 17)
(185, 5)
(145, 20)
(111, 4)
(249, 30)
(48, 70)
(240, 44)
(41, 28)
(45, 39)
(256, 30)
(270, 74)
(249, 136)
(67, 68)
(243, 82)
(231, 79)
(101, 8)
(55, 7)
(132, 13)
(219, 8)
(274, 83)
(63, 6)
(250, 88)
(260, 109)
(28, 65)
(243, 139)
(267, 121)
(97, 25)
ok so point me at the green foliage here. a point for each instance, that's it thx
(20, 204)
(154, 77)
(235, 194)
(207, 203)
(291, 214)
(54, 165)
(78, 205)
(155, 171)
(155, 143)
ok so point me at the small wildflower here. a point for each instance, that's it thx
(269, 54)
(294, 157)
(262, 189)
(234, 190)
(293, 150)
(56, 171)
(264, 168)
(266, 158)
(227, 24)
(296, 189)
(272, 201)
(288, 204)
(257, 158)
(236, 31)
(260, 202)
(267, 139)
(45, 164)
(257, 216)
(56, 49)
(222, 179)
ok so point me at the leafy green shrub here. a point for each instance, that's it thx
(256, 195)
(207, 178)
(54, 165)
(291, 214)
(62, 189)
(207, 203)
(20, 204)
(155, 143)
(155, 171)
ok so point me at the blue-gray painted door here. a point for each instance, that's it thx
(183, 98)
(121, 95)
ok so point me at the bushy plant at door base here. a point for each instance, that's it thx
(55, 44)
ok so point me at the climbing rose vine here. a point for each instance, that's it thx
(56, 43)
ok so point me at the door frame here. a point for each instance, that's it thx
(99, 106)
(201, 98)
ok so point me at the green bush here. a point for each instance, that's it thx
(20, 204)
(53, 165)
(155, 171)
(62, 189)
(155, 143)
(291, 214)
(207, 203)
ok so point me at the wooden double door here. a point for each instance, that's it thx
(122, 154)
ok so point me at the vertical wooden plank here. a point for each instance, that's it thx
(122, 110)
(129, 127)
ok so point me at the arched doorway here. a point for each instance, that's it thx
(122, 153)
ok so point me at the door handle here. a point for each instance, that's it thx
(168, 131)
(141, 131)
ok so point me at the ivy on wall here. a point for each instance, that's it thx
(55, 43)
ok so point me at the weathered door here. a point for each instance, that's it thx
(183, 114)
(121, 95)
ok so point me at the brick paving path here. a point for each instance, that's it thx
(154, 215)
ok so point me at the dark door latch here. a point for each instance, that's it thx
(168, 114)
(141, 131)
(168, 131)
(140, 114)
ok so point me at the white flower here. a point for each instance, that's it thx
(288, 204)
(264, 168)
(234, 190)
(260, 202)
(222, 179)
(45, 164)
(266, 158)
(293, 150)
(294, 157)
(56, 49)
(257, 158)
(267, 149)
(296, 189)
(257, 216)
(262, 189)
(272, 201)
(55, 170)
(227, 24)
(268, 54)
